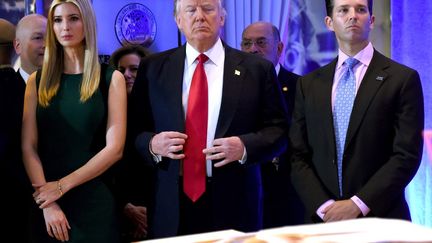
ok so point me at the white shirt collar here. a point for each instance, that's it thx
(277, 68)
(214, 53)
(24, 74)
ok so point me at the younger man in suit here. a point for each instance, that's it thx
(357, 126)
(282, 206)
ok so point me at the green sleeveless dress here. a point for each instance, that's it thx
(70, 133)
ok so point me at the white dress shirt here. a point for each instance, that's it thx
(277, 68)
(214, 69)
(24, 75)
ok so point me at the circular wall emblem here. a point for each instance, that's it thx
(135, 24)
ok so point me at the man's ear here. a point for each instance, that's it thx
(372, 22)
(329, 23)
(17, 46)
(280, 47)
(178, 22)
(222, 23)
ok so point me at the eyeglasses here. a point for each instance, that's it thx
(247, 44)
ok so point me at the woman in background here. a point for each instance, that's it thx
(126, 59)
(74, 127)
(133, 179)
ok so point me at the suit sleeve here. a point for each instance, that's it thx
(271, 137)
(303, 175)
(139, 117)
(389, 182)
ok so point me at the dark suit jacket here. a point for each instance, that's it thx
(13, 176)
(11, 108)
(288, 81)
(251, 108)
(384, 140)
(282, 206)
(22, 81)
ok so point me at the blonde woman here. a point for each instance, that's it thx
(74, 127)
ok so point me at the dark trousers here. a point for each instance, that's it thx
(282, 205)
(196, 217)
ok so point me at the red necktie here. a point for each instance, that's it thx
(194, 163)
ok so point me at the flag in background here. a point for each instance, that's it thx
(308, 44)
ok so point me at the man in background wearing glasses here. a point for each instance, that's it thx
(282, 205)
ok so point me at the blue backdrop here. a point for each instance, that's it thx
(410, 42)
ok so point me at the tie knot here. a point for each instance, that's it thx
(351, 62)
(202, 58)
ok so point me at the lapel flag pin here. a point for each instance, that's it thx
(380, 78)
(237, 72)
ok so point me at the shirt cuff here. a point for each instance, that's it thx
(363, 207)
(157, 158)
(244, 157)
(322, 207)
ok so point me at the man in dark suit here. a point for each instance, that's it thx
(246, 124)
(29, 43)
(11, 166)
(282, 206)
(383, 141)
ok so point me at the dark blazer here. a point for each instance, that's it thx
(11, 108)
(13, 176)
(282, 205)
(384, 140)
(22, 81)
(288, 81)
(251, 108)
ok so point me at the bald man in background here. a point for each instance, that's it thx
(282, 206)
(30, 43)
(12, 178)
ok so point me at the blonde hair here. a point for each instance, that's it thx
(53, 63)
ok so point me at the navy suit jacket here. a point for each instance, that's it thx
(282, 205)
(384, 140)
(288, 81)
(12, 90)
(251, 108)
(13, 175)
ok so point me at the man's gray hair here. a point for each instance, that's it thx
(177, 7)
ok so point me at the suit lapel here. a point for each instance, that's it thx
(173, 83)
(323, 100)
(232, 82)
(23, 82)
(375, 76)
